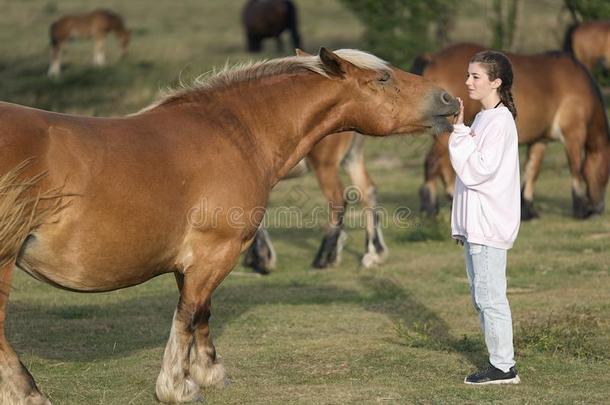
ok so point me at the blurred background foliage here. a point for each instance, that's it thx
(585, 10)
(399, 30)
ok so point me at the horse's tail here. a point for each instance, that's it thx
(420, 63)
(293, 23)
(567, 39)
(21, 210)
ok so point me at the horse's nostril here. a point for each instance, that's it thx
(446, 98)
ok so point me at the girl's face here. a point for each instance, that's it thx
(478, 84)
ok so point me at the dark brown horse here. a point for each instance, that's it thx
(97, 204)
(96, 24)
(556, 99)
(346, 150)
(590, 43)
(269, 19)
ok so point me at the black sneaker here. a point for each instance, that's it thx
(493, 375)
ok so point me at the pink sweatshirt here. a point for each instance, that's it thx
(487, 200)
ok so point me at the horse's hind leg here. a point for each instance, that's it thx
(260, 256)
(375, 247)
(535, 154)
(254, 42)
(16, 383)
(327, 172)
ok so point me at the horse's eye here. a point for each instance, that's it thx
(386, 76)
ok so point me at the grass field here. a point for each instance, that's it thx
(401, 333)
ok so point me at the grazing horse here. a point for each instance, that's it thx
(590, 43)
(345, 149)
(96, 24)
(268, 19)
(98, 204)
(556, 99)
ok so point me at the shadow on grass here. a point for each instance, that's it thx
(416, 324)
(98, 332)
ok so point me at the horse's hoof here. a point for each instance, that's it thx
(186, 391)
(213, 375)
(370, 260)
(319, 264)
(261, 270)
(581, 208)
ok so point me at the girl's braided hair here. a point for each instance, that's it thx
(498, 66)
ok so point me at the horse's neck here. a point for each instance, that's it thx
(284, 127)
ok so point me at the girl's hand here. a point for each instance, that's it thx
(459, 118)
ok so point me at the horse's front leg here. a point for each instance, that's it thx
(190, 358)
(535, 154)
(205, 368)
(99, 55)
(16, 383)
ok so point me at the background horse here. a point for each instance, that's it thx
(590, 43)
(325, 158)
(268, 19)
(556, 99)
(174, 187)
(96, 24)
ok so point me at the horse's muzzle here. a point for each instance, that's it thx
(442, 105)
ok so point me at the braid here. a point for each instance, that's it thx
(506, 95)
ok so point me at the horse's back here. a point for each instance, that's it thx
(22, 135)
(266, 17)
(94, 23)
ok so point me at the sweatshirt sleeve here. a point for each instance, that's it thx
(474, 166)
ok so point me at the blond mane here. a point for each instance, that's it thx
(250, 71)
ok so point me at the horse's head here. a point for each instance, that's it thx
(383, 100)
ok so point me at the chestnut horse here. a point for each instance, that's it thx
(268, 19)
(325, 158)
(346, 150)
(556, 99)
(590, 43)
(96, 24)
(98, 204)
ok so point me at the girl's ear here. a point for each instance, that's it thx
(496, 83)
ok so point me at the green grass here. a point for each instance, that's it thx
(404, 332)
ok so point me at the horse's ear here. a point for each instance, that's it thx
(300, 52)
(334, 65)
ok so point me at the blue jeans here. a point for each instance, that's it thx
(486, 267)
